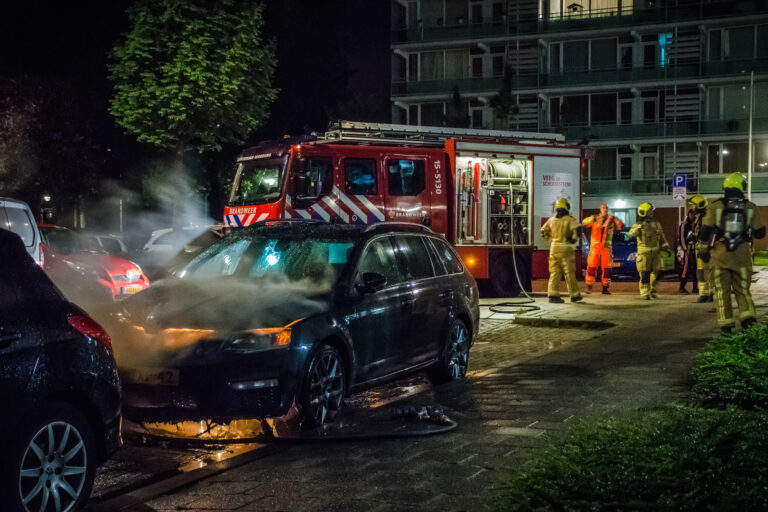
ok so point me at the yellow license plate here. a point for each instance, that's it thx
(132, 288)
(615, 264)
(153, 376)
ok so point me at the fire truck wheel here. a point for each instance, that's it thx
(455, 359)
(324, 386)
(503, 278)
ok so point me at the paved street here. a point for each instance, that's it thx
(526, 382)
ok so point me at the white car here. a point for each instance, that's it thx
(16, 216)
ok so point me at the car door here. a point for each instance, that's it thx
(431, 305)
(20, 336)
(377, 323)
(407, 195)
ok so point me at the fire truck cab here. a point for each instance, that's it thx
(487, 191)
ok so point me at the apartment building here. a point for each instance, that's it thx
(656, 87)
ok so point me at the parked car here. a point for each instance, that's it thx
(16, 217)
(84, 271)
(296, 313)
(197, 245)
(625, 255)
(59, 390)
(163, 245)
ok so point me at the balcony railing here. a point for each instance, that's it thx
(713, 184)
(704, 184)
(660, 130)
(581, 78)
(582, 20)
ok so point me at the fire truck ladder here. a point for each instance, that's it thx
(426, 135)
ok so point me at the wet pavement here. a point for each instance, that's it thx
(527, 380)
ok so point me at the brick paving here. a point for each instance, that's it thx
(525, 383)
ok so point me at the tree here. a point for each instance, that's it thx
(504, 103)
(193, 74)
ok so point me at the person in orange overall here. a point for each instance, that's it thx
(601, 246)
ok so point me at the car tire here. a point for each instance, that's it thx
(455, 357)
(39, 470)
(324, 387)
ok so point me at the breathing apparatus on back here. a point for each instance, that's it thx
(734, 227)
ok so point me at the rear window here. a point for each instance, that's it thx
(448, 256)
(20, 223)
(111, 245)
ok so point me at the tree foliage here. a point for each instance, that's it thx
(192, 74)
(504, 103)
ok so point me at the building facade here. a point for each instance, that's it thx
(656, 87)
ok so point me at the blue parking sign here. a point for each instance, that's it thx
(679, 181)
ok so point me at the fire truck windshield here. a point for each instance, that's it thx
(258, 181)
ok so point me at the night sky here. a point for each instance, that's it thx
(329, 52)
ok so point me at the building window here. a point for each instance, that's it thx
(741, 42)
(715, 44)
(575, 110)
(575, 56)
(431, 66)
(603, 167)
(728, 158)
(603, 108)
(603, 54)
(432, 114)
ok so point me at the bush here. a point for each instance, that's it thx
(671, 459)
(733, 369)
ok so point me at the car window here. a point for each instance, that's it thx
(448, 256)
(379, 256)
(216, 261)
(319, 173)
(20, 223)
(405, 177)
(414, 253)
(111, 245)
(360, 175)
(437, 263)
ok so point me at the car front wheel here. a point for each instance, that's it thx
(53, 462)
(324, 386)
(455, 358)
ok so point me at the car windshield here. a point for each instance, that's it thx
(258, 181)
(622, 236)
(294, 257)
(65, 241)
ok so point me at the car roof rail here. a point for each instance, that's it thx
(399, 226)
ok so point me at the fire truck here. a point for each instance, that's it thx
(487, 191)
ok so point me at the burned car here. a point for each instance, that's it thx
(291, 313)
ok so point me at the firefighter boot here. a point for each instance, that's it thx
(747, 323)
(589, 288)
(703, 298)
(556, 300)
(605, 290)
(576, 299)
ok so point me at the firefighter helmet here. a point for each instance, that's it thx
(699, 202)
(644, 210)
(735, 180)
(562, 204)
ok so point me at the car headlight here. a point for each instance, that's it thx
(131, 275)
(258, 340)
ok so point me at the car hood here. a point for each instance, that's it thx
(223, 306)
(112, 265)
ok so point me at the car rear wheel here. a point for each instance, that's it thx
(455, 359)
(53, 462)
(324, 387)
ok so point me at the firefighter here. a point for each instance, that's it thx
(686, 254)
(563, 231)
(703, 272)
(650, 241)
(733, 222)
(600, 246)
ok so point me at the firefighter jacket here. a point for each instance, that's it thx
(603, 229)
(741, 255)
(650, 236)
(561, 232)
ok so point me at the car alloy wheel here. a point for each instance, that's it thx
(325, 392)
(53, 468)
(455, 359)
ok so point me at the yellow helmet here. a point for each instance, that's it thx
(644, 210)
(735, 180)
(699, 202)
(563, 204)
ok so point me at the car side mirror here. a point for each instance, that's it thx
(301, 185)
(372, 282)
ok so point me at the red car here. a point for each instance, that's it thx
(84, 271)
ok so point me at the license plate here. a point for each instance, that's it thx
(616, 264)
(131, 289)
(154, 376)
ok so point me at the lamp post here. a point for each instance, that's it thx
(749, 159)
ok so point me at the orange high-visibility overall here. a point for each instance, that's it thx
(601, 246)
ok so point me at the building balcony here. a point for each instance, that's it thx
(713, 184)
(446, 87)
(605, 132)
(582, 20)
(702, 184)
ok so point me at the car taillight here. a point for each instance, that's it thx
(42, 256)
(87, 326)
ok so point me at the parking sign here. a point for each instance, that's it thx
(679, 189)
